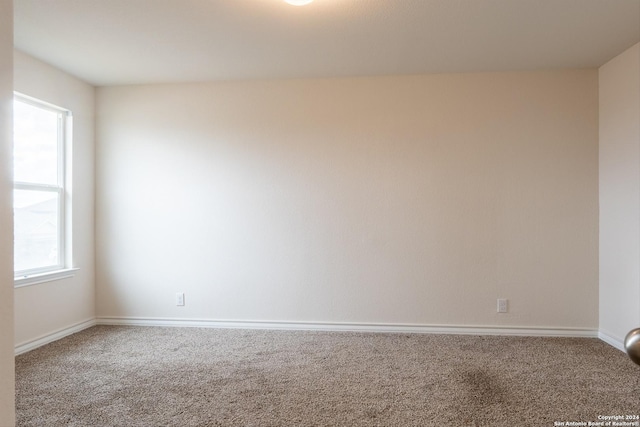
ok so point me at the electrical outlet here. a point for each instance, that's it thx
(502, 305)
(180, 298)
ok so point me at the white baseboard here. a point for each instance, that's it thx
(321, 326)
(612, 340)
(353, 327)
(53, 336)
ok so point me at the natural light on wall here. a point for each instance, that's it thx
(298, 2)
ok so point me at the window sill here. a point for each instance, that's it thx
(34, 279)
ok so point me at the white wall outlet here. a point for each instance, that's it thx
(180, 298)
(503, 306)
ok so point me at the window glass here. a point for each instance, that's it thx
(35, 139)
(38, 187)
(36, 229)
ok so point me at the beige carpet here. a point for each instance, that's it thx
(142, 376)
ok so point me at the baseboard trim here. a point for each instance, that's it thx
(352, 327)
(321, 326)
(611, 339)
(53, 336)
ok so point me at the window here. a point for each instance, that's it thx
(39, 196)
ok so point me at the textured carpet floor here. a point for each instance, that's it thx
(144, 376)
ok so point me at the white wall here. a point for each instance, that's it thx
(398, 200)
(7, 406)
(47, 307)
(620, 195)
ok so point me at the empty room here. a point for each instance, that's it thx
(319, 213)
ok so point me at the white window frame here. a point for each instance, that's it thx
(63, 269)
